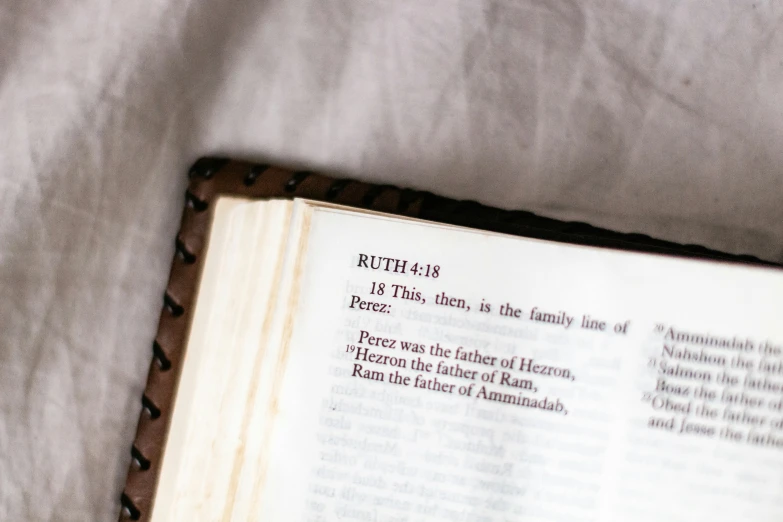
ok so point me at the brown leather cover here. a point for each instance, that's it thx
(210, 177)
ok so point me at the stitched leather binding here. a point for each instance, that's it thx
(210, 177)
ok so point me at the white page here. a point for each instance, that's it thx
(352, 448)
(225, 364)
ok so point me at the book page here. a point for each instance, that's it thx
(228, 363)
(436, 373)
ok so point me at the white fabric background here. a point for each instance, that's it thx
(659, 117)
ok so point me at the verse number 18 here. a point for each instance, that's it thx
(377, 288)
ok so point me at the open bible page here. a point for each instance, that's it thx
(436, 373)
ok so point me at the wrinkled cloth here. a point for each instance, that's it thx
(664, 118)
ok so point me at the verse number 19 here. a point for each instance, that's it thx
(377, 288)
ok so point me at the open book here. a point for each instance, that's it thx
(345, 364)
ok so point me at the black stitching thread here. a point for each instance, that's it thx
(152, 410)
(407, 196)
(295, 180)
(254, 173)
(336, 188)
(372, 194)
(129, 508)
(160, 356)
(172, 306)
(516, 216)
(141, 462)
(199, 205)
(461, 207)
(187, 257)
(207, 167)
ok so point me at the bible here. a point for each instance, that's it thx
(331, 350)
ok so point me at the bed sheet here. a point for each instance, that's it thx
(657, 117)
